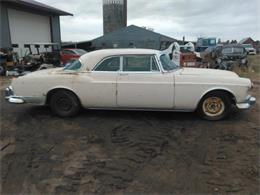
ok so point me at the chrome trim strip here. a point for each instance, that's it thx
(13, 99)
(140, 109)
(16, 100)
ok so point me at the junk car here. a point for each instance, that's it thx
(132, 79)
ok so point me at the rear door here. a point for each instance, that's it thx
(141, 84)
(101, 88)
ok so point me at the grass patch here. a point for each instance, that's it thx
(253, 71)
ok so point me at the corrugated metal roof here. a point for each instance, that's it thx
(38, 6)
(134, 28)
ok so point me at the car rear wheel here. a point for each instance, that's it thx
(215, 106)
(64, 103)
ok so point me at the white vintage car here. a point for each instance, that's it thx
(132, 79)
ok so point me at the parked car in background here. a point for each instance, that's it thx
(224, 57)
(70, 54)
(132, 79)
(232, 52)
(205, 42)
(249, 48)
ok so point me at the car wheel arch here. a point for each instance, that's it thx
(220, 90)
(54, 90)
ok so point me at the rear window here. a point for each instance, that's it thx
(80, 51)
(68, 52)
(75, 65)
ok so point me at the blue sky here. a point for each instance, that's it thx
(233, 19)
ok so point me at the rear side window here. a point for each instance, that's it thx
(110, 64)
(227, 50)
(238, 50)
(140, 63)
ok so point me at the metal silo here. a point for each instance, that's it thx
(114, 15)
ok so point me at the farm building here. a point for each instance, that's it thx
(128, 37)
(28, 21)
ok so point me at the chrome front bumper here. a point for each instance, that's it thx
(248, 103)
(11, 97)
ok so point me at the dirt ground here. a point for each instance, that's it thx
(127, 152)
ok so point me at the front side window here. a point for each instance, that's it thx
(75, 65)
(111, 64)
(140, 63)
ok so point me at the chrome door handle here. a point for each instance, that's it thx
(123, 74)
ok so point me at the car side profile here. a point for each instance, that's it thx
(250, 49)
(132, 79)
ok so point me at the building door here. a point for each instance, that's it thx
(28, 28)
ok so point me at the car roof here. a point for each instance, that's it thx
(90, 59)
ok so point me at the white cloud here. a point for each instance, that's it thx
(223, 19)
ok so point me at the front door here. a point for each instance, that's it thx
(141, 84)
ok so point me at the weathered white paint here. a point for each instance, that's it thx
(180, 89)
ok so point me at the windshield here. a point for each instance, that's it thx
(166, 62)
(80, 51)
(248, 46)
(75, 65)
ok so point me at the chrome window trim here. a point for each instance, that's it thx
(155, 56)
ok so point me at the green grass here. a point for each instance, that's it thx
(253, 71)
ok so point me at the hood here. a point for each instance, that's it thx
(207, 72)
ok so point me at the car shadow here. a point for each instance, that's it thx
(39, 111)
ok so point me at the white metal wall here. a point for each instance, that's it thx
(28, 28)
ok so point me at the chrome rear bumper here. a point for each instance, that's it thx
(14, 99)
(11, 98)
(248, 103)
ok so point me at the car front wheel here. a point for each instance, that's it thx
(215, 106)
(64, 103)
